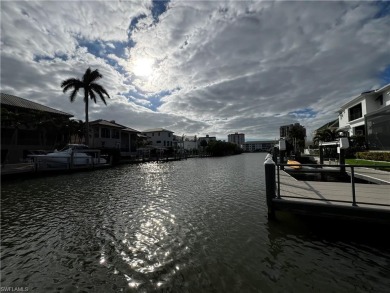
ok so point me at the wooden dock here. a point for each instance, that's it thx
(356, 201)
(372, 175)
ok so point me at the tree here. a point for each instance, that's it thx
(91, 88)
(203, 144)
(222, 148)
(325, 135)
(297, 134)
(75, 130)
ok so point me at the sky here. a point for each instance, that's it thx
(199, 67)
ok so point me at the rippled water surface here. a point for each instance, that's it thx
(197, 225)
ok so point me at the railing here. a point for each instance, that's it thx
(273, 180)
(318, 169)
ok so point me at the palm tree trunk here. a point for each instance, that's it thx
(86, 118)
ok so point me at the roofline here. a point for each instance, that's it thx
(157, 130)
(377, 91)
(114, 125)
(384, 88)
(56, 111)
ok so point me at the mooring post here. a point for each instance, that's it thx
(342, 160)
(281, 159)
(353, 186)
(321, 155)
(270, 186)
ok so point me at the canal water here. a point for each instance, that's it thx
(197, 225)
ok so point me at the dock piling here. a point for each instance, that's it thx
(353, 186)
(270, 186)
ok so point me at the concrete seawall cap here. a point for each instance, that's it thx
(269, 161)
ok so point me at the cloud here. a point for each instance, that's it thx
(218, 67)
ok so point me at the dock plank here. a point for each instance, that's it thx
(373, 194)
(377, 176)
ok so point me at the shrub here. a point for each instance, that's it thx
(375, 156)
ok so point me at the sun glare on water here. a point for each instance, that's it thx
(143, 67)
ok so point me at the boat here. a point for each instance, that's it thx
(81, 154)
(294, 164)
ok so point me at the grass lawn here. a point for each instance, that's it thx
(368, 163)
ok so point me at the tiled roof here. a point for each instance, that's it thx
(105, 123)
(112, 124)
(157, 130)
(128, 129)
(15, 101)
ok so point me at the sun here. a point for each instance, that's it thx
(143, 67)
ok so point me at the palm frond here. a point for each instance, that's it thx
(100, 91)
(95, 75)
(87, 76)
(74, 93)
(68, 86)
(92, 95)
(69, 83)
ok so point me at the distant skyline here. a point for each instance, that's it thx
(199, 67)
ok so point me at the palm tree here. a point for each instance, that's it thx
(325, 135)
(91, 88)
(75, 128)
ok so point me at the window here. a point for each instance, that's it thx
(169, 134)
(359, 130)
(355, 112)
(159, 134)
(159, 141)
(164, 142)
(105, 133)
(96, 132)
(115, 133)
(379, 100)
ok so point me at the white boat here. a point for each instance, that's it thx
(82, 155)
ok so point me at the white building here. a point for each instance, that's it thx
(109, 134)
(352, 114)
(237, 138)
(258, 146)
(368, 114)
(189, 143)
(159, 137)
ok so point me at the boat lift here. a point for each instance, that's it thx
(342, 144)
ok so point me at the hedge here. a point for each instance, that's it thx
(375, 156)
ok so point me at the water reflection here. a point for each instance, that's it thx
(145, 242)
(306, 249)
(191, 226)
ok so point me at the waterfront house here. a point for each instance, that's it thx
(258, 146)
(368, 115)
(109, 134)
(27, 126)
(159, 137)
(190, 143)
